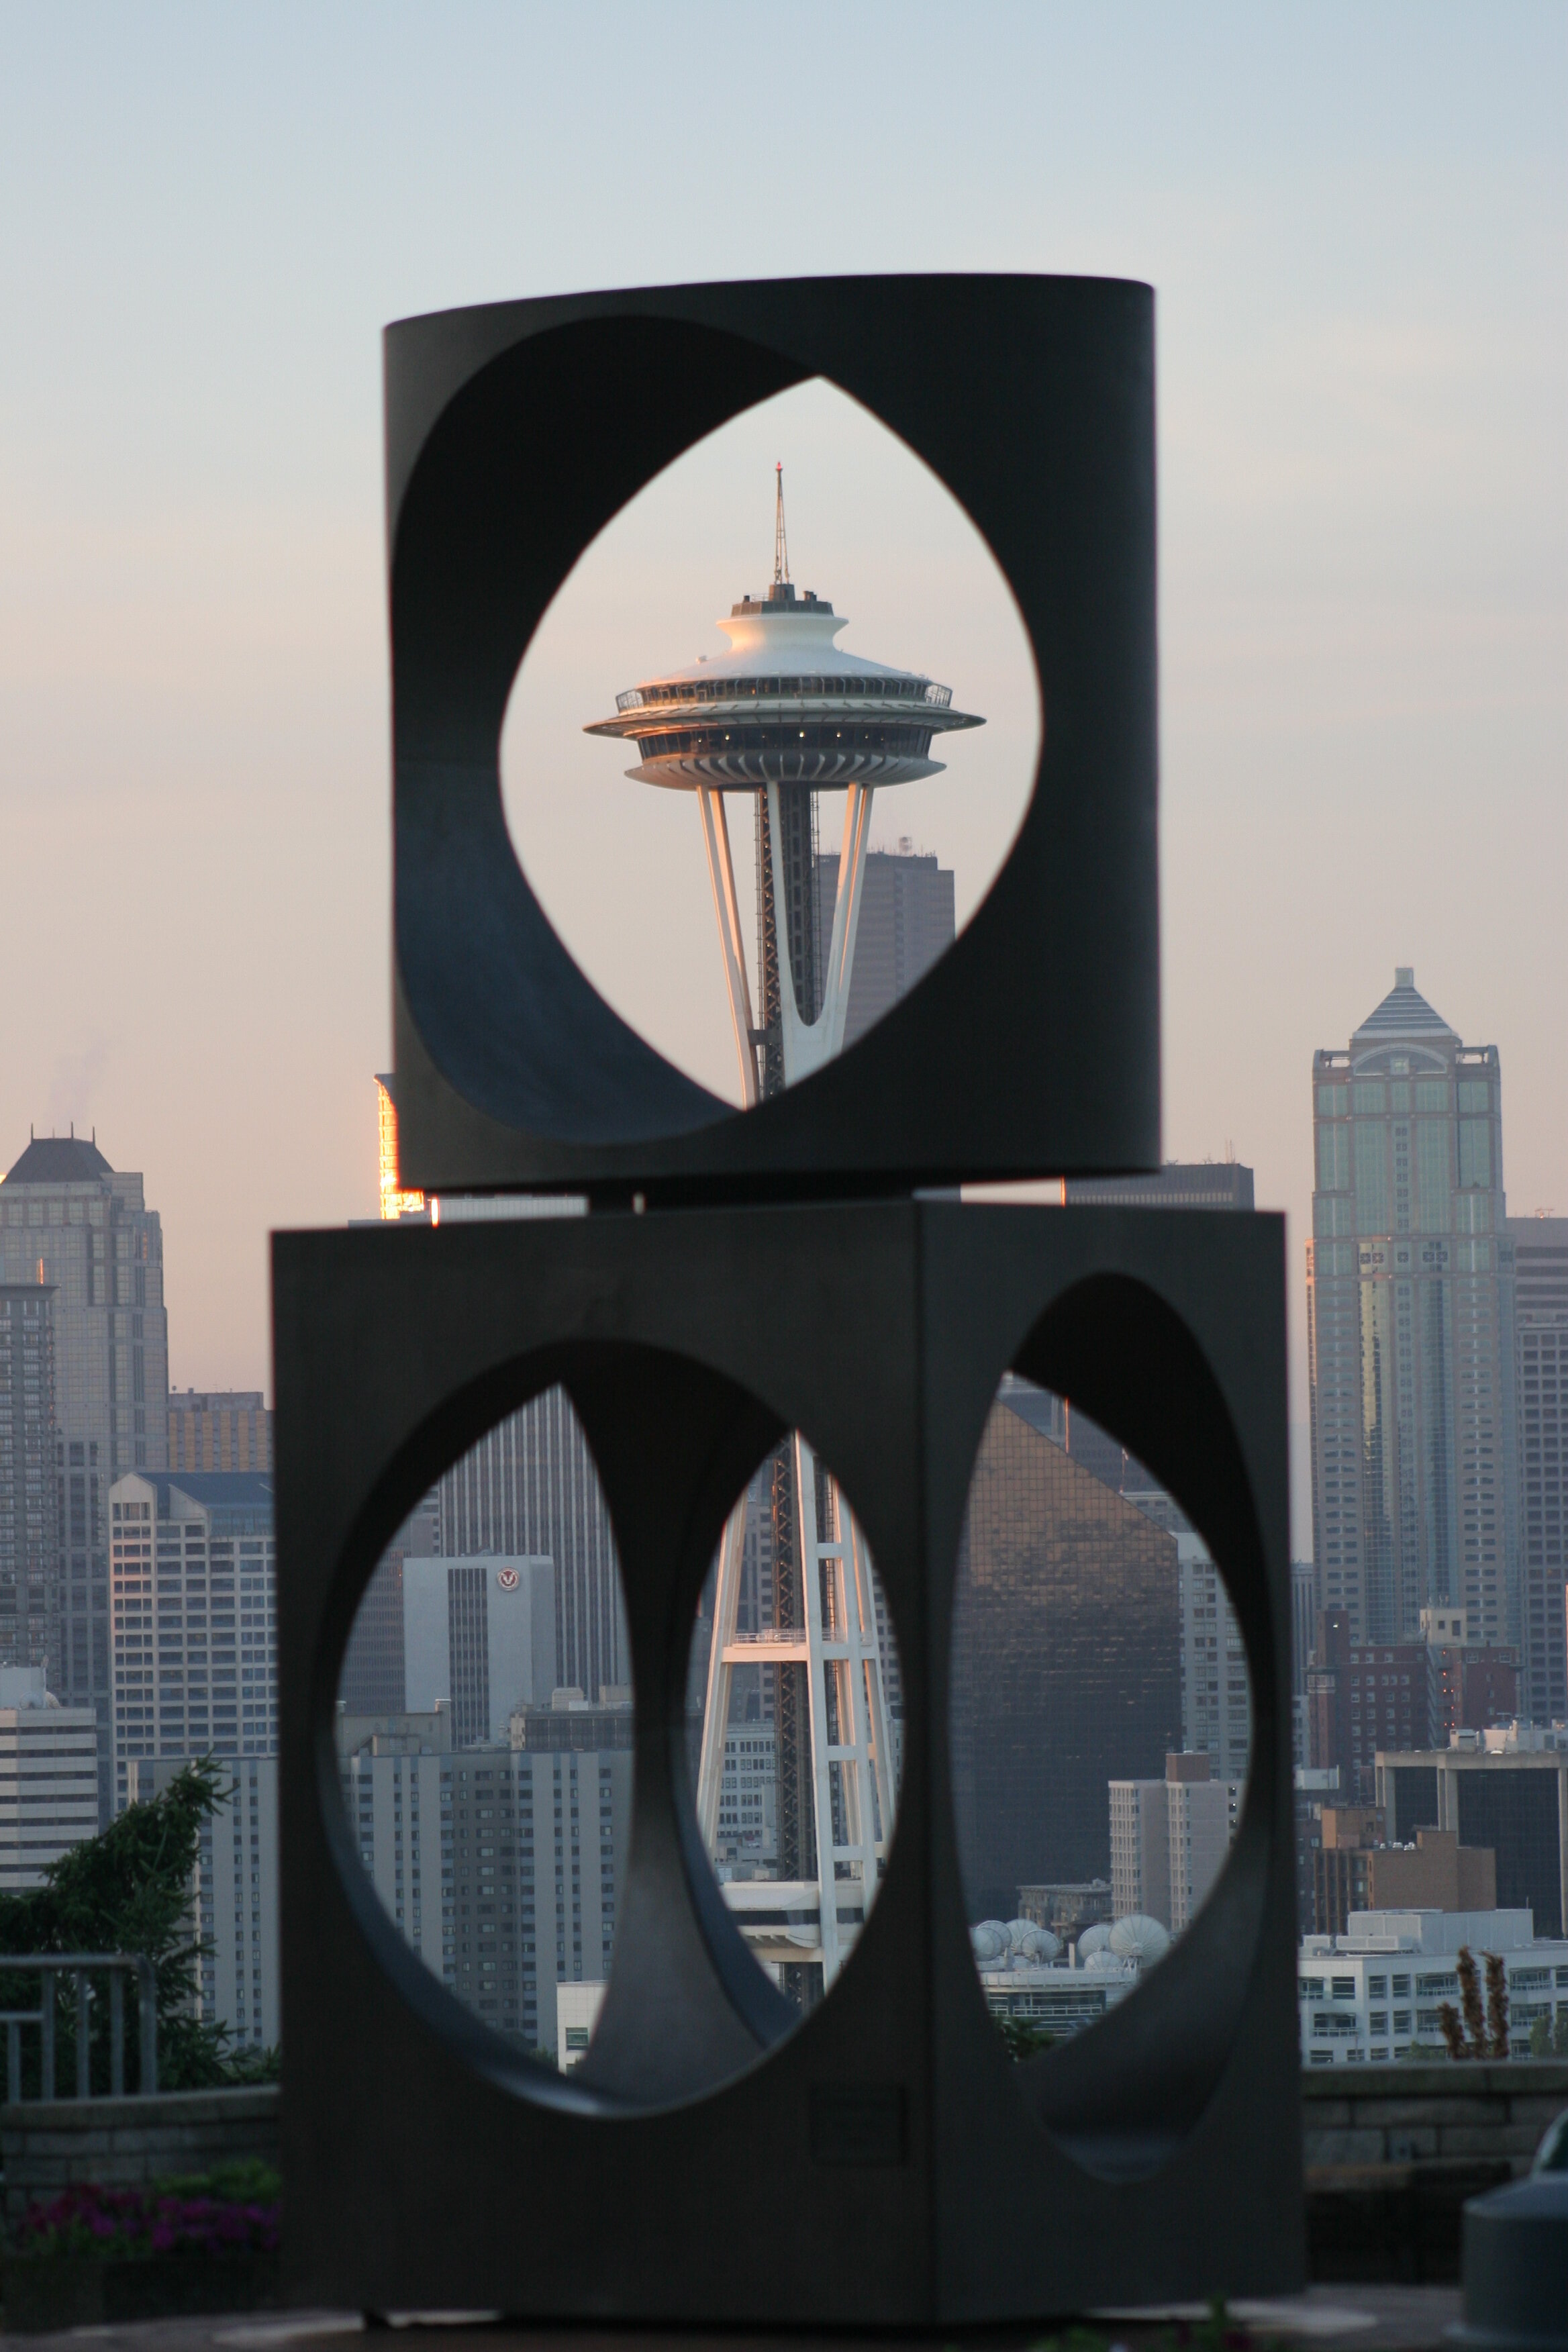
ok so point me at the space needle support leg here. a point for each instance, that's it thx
(721, 873)
(716, 1714)
(810, 1555)
(868, 1693)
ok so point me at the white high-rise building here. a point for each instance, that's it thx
(196, 1645)
(1169, 1839)
(234, 1895)
(501, 1865)
(1216, 1694)
(48, 1778)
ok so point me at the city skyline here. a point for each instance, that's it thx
(1354, 233)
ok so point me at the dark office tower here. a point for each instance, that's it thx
(906, 923)
(29, 1481)
(1179, 1185)
(1405, 1314)
(1065, 1664)
(1536, 1286)
(68, 1219)
(373, 1679)
(530, 1487)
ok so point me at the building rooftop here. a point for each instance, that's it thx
(1438, 1932)
(1403, 1013)
(58, 1159)
(213, 1490)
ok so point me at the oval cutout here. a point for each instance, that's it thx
(485, 1733)
(1101, 1725)
(793, 1716)
(620, 868)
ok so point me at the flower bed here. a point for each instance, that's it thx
(95, 2256)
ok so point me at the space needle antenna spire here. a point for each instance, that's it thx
(781, 544)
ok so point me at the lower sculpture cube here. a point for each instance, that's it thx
(717, 2157)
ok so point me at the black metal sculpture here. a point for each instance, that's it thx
(514, 434)
(930, 2180)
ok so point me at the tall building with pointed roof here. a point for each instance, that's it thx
(1413, 1502)
(70, 1221)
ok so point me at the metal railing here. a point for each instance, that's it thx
(52, 1965)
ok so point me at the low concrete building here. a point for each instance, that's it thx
(48, 1778)
(577, 2008)
(1506, 1789)
(1169, 1839)
(1376, 1992)
(1356, 1869)
(1068, 1906)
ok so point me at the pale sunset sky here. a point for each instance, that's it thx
(1354, 221)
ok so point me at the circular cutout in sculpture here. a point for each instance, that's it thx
(805, 801)
(1102, 1720)
(485, 1732)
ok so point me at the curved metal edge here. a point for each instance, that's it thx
(460, 1421)
(1060, 486)
(1124, 2100)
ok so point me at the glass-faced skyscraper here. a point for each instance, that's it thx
(1411, 1495)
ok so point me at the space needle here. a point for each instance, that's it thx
(784, 715)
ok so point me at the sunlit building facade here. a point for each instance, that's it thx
(1411, 1439)
(395, 1201)
(195, 1643)
(219, 1429)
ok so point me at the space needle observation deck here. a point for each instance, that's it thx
(784, 715)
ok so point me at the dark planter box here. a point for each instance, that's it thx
(46, 2292)
(1393, 2224)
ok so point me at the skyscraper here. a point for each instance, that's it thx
(1066, 1663)
(479, 1636)
(1411, 1500)
(906, 923)
(30, 1489)
(1536, 1279)
(67, 1218)
(529, 1486)
(212, 1687)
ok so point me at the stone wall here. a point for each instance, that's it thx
(1393, 2152)
(1409, 2113)
(47, 2143)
